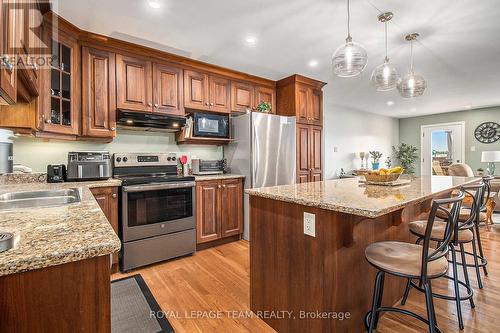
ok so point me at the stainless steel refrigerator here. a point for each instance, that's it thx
(263, 151)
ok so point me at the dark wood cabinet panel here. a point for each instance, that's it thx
(242, 96)
(196, 90)
(303, 177)
(265, 94)
(231, 207)
(107, 198)
(220, 94)
(303, 149)
(302, 104)
(168, 89)
(134, 83)
(8, 72)
(207, 211)
(316, 149)
(98, 93)
(315, 111)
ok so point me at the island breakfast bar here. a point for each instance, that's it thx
(322, 283)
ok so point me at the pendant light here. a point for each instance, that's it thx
(349, 59)
(412, 85)
(385, 76)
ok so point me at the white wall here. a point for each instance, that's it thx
(38, 153)
(353, 131)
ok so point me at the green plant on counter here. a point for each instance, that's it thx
(376, 155)
(264, 107)
(407, 156)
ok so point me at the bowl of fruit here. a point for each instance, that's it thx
(384, 175)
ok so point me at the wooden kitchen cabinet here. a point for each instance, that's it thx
(61, 111)
(246, 97)
(98, 93)
(302, 97)
(309, 153)
(242, 96)
(134, 83)
(107, 198)
(168, 89)
(219, 210)
(206, 92)
(8, 34)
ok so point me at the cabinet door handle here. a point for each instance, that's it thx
(7, 64)
(207, 104)
(219, 186)
(224, 186)
(114, 196)
(150, 104)
(156, 105)
(211, 104)
(113, 128)
(47, 121)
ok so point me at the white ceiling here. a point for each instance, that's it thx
(458, 53)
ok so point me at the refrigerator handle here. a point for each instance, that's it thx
(255, 152)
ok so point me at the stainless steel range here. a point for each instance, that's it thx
(157, 219)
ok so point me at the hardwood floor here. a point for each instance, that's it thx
(216, 280)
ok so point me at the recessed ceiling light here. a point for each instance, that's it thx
(251, 40)
(390, 103)
(154, 4)
(313, 63)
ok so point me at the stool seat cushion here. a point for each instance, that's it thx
(403, 259)
(464, 215)
(418, 227)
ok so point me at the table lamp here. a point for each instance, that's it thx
(490, 157)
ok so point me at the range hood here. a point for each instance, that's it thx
(144, 121)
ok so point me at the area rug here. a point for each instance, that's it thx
(134, 308)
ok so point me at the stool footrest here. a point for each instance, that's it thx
(470, 292)
(398, 310)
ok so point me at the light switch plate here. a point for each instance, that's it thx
(310, 224)
(472, 148)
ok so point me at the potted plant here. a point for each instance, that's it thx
(407, 156)
(264, 107)
(376, 155)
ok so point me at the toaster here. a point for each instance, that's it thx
(207, 167)
(88, 165)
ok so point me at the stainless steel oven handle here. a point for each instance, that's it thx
(157, 186)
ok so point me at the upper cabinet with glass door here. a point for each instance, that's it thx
(61, 112)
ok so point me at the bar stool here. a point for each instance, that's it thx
(479, 206)
(464, 232)
(413, 261)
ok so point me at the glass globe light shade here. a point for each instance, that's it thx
(349, 59)
(385, 77)
(412, 85)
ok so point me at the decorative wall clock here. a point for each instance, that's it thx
(487, 132)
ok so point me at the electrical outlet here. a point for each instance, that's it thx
(310, 224)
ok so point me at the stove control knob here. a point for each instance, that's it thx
(118, 159)
(174, 158)
(125, 159)
(169, 158)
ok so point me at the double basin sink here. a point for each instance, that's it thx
(36, 199)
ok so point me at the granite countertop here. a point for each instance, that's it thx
(216, 177)
(352, 197)
(52, 236)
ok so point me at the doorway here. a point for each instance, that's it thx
(441, 146)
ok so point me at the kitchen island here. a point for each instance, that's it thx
(322, 283)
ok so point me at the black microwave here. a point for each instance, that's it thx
(210, 125)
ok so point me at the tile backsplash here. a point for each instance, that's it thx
(38, 153)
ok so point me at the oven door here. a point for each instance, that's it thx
(156, 209)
